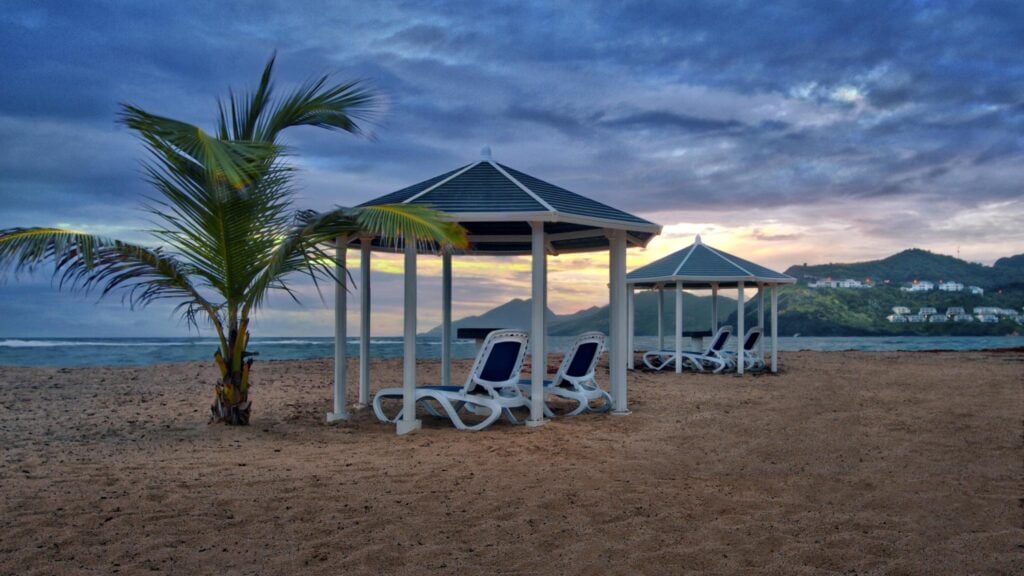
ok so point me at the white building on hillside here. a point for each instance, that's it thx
(901, 310)
(951, 286)
(975, 290)
(919, 286)
(830, 283)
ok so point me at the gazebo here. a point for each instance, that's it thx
(701, 267)
(506, 213)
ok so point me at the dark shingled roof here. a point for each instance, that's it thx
(699, 265)
(492, 199)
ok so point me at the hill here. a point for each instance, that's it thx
(696, 313)
(817, 312)
(917, 264)
(515, 314)
(852, 312)
(1016, 262)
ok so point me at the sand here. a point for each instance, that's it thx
(845, 463)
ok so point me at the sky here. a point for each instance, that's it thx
(783, 132)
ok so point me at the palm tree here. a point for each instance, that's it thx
(226, 231)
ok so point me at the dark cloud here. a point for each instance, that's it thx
(661, 120)
(654, 106)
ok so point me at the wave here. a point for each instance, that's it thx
(15, 343)
(27, 343)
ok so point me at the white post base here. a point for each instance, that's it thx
(407, 426)
(536, 423)
(333, 417)
(620, 412)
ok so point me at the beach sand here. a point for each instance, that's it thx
(845, 463)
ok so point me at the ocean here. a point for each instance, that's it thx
(146, 351)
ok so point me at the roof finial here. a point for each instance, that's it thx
(485, 153)
(697, 240)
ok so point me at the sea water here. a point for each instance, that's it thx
(146, 351)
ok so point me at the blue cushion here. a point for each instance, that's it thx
(501, 362)
(581, 361)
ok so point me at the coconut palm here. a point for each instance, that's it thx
(226, 231)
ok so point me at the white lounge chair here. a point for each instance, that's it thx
(751, 359)
(575, 377)
(711, 358)
(491, 386)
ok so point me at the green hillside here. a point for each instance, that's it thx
(1016, 262)
(821, 311)
(853, 312)
(917, 264)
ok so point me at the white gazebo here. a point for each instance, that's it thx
(701, 267)
(506, 213)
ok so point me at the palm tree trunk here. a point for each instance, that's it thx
(231, 404)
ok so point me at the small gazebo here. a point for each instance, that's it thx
(506, 213)
(701, 267)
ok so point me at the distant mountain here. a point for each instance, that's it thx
(814, 312)
(917, 264)
(696, 315)
(515, 314)
(1010, 262)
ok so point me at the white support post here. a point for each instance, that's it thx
(740, 321)
(364, 321)
(679, 327)
(548, 249)
(760, 321)
(775, 328)
(661, 313)
(340, 331)
(539, 367)
(631, 328)
(408, 422)
(446, 318)
(617, 305)
(714, 308)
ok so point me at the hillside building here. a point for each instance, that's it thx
(919, 286)
(951, 286)
(830, 283)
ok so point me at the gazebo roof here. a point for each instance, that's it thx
(496, 204)
(700, 266)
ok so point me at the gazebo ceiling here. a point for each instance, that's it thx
(496, 204)
(701, 266)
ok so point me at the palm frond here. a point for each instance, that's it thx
(399, 223)
(303, 249)
(85, 262)
(321, 104)
(238, 163)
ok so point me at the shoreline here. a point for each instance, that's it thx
(553, 358)
(891, 462)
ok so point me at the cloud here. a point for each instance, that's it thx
(791, 130)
